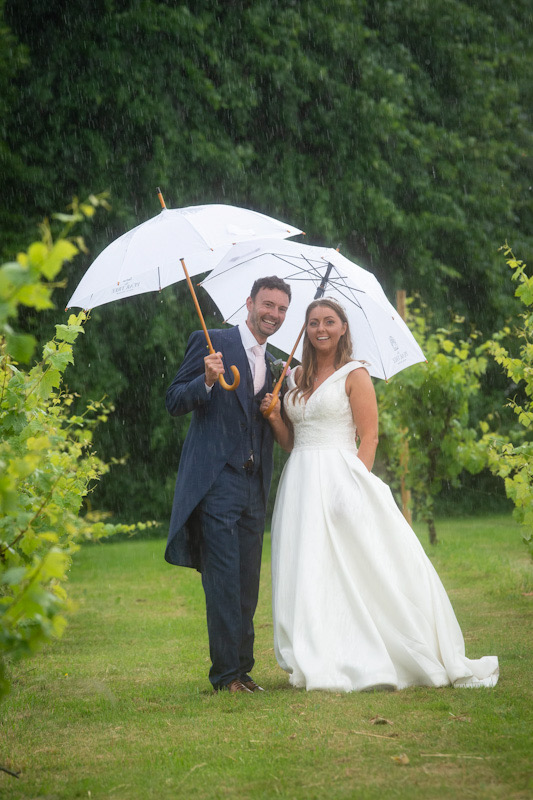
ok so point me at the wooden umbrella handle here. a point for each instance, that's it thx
(275, 393)
(236, 376)
(277, 388)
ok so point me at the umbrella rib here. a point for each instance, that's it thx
(360, 307)
(348, 294)
(280, 256)
(339, 282)
(374, 338)
(232, 267)
(234, 313)
(129, 244)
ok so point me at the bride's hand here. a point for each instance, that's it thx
(265, 404)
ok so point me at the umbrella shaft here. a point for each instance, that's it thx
(221, 379)
(197, 306)
(323, 283)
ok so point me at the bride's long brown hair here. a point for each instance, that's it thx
(306, 376)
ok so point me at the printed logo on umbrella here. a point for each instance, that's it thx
(125, 287)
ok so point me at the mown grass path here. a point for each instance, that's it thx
(121, 707)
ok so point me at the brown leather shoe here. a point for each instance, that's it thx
(252, 686)
(236, 686)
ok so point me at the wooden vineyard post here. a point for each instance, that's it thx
(404, 454)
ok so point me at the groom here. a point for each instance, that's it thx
(224, 474)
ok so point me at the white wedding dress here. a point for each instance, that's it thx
(357, 604)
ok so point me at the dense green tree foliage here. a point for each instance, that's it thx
(395, 128)
(401, 130)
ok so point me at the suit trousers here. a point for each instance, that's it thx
(232, 519)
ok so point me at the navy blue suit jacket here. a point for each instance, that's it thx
(219, 420)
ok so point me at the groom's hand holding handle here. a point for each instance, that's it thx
(213, 368)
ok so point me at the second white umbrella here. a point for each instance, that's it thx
(379, 334)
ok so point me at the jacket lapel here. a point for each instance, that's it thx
(269, 381)
(235, 355)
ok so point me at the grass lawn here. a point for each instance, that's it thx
(121, 707)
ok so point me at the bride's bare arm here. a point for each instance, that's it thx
(360, 390)
(281, 428)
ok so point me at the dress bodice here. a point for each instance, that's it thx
(325, 421)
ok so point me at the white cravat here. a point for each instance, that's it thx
(259, 368)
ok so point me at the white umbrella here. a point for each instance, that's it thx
(380, 336)
(147, 258)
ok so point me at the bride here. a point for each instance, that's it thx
(357, 604)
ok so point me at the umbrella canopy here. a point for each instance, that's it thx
(147, 258)
(379, 334)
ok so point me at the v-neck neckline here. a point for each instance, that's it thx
(325, 382)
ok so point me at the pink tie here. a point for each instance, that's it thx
(259, 368)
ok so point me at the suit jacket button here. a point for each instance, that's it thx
(243, 426)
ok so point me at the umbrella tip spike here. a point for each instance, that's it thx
(160, 196)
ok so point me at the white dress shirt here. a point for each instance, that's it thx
(248, 341)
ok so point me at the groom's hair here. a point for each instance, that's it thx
(272, 282)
